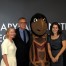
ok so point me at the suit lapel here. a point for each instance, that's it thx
(20, 36)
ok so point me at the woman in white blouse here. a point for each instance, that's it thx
(8, 49)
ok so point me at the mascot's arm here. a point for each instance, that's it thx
(30, 53)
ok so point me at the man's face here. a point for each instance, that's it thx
(22, 23)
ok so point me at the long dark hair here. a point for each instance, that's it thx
(59, 27)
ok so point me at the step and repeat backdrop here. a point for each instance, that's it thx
(12, 10)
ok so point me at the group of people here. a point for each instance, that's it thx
(16, 46)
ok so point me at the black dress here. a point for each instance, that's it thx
(56, 45)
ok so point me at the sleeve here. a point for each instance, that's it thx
(48, 39)
(4, 47)
(63, 37)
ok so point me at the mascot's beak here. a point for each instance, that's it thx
(42, 24)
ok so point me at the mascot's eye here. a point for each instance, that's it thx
(35, 20)
(44, 19)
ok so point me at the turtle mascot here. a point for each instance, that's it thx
(38, 49)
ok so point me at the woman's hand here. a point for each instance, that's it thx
(7, 64)
(53, 59)
(56, 58)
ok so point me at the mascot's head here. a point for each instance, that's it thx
(38, 24)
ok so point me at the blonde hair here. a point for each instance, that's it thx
(8, 29)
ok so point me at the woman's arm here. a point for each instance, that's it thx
(50, 53)
(5, 59)
(62, 50)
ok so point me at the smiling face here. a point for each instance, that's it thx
(10, 33)
(55, 29)
(39, 26)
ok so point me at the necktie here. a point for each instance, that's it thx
(24, 36)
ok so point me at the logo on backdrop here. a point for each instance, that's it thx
(4, 27)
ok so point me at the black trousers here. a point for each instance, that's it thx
(26, 63)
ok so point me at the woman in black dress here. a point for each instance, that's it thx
(56, 45)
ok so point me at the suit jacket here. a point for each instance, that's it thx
(22, 53)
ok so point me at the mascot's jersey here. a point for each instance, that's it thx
(39, 49)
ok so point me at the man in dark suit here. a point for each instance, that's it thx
(22, 42)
